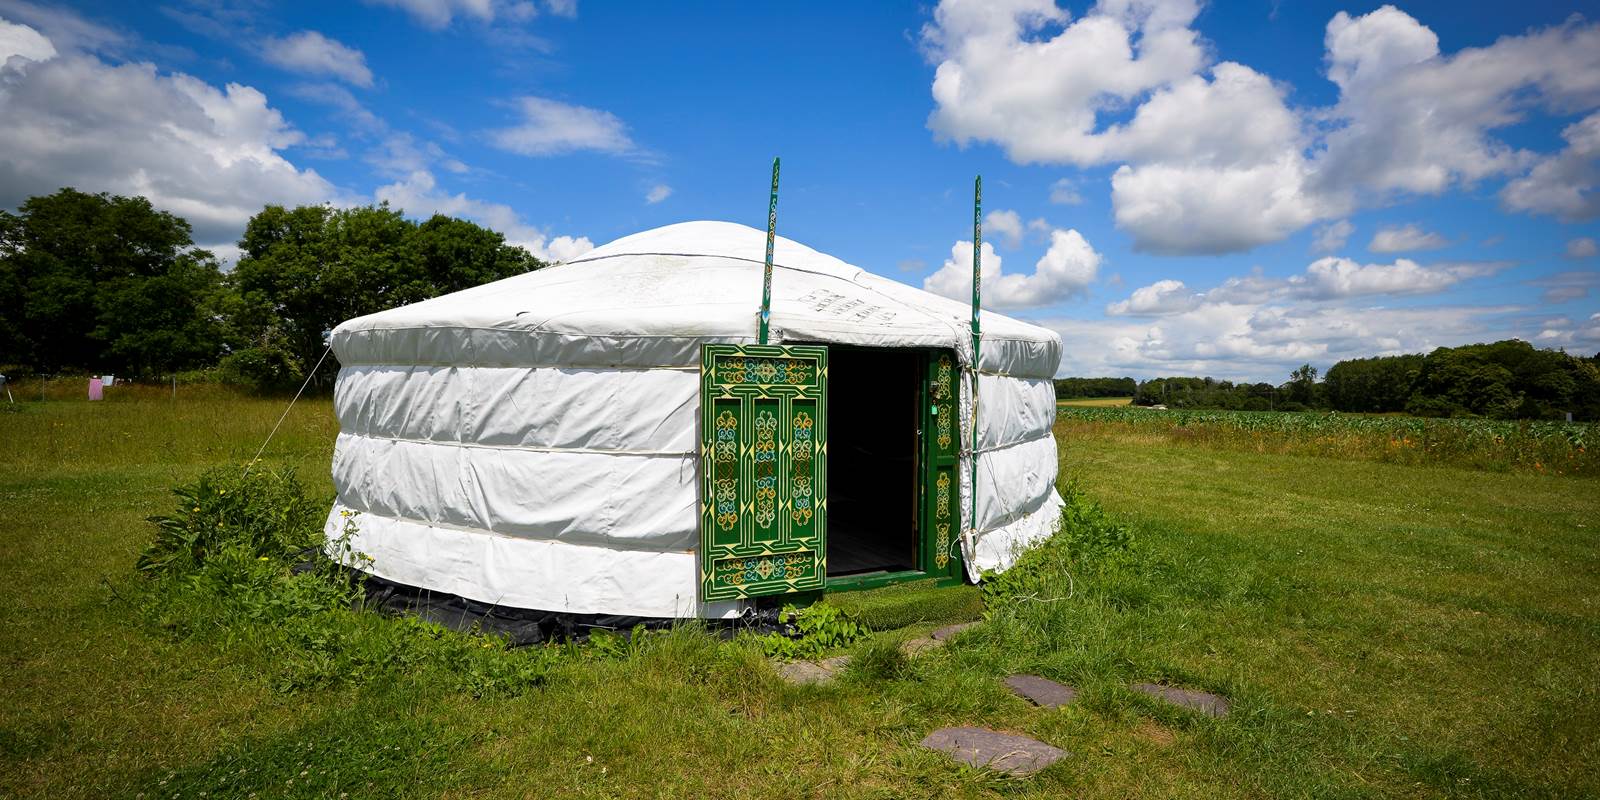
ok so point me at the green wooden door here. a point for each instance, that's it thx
(763, 466)
(941, 446)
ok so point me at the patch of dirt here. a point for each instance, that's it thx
(1155, 734)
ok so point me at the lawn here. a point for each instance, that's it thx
(1383, 629)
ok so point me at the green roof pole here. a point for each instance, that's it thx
(766, 275)
(977, 334)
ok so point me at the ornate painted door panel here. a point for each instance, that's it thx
(763, 467)
(941, 512)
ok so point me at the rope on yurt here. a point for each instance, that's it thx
(285, 415)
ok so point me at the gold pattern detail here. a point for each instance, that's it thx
(726, 470)
(766, 468)
(941, 396)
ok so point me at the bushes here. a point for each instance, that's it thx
(1086, 539)
(259, 514)
(221, 569)
(810, 631)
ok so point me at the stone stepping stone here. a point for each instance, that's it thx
(950, 630)
(1002, 752)
(1044, 692)
(912, 647)
(1193, 699)
(804, 673)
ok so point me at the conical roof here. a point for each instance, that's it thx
(650, 299)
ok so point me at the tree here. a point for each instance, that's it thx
(105, 282)
(305, 270)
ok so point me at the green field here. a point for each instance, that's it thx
(1385, 629)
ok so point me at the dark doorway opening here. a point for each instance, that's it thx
(872, 459)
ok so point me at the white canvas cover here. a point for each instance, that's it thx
(533, 442)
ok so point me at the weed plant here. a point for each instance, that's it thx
(222, 569)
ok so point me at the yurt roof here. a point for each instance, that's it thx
(649, 299)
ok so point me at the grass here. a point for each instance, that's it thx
(1095, 402)
(1384, 630)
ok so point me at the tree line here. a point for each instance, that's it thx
(1509, 379)
(110, 284)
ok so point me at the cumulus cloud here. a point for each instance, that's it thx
(1332, 277)
(418, 195)
(1332, 236)
(1006, 225)
(23, 42)
(1211, 158)
(1066, 269)
(311, 53)
(1161, 297)
(657, 193)
(1404, 239)
(550, 127)
(211, 155)
(1567, 184)
(1582, 247)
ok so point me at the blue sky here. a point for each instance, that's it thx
(1178, 188)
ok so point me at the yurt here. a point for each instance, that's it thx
(606, 437)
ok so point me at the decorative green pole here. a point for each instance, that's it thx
(977, 335)
(766, 275)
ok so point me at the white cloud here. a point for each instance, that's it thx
(211, 155)
(438, 14)
(1582, 247)
(1007, 225)
(1406, 238)
(1333, 236)
(658, 193)
(1039, 97)
(23, 42)
(1064, 192)
(1413, 120)
(311, 53)
(1211, 158)
(65, 29)
(1323, 280)
(1333, 277)
(550, 127)
(1066, 269)
(1161, 297)
(419, 195)
(1187, 210)
(1255, 342)
(1567, 184)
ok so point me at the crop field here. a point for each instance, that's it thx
(1552, 447)
(1385, 626)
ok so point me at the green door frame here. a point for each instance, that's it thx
(938, 517)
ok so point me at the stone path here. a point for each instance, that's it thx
(1003, 752)
(804, 672)
(1008, 753)
(1192, 699)
(1044, 692)
(948, 631)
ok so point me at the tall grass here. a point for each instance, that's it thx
(1543, 447)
